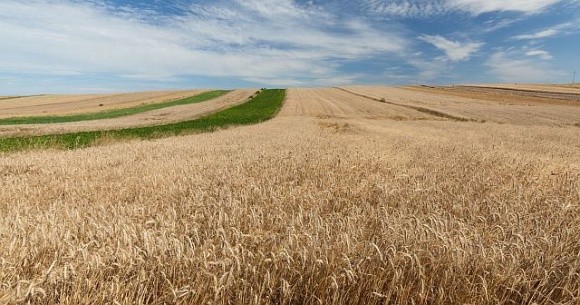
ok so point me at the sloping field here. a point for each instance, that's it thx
(112, 113)
(154, 117)
(476, 108)
(333, 103)
(320, 205)
(547, 95)
(73, 104)
(500, 96)
(554, 88)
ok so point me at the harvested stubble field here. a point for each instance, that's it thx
(480, 107)
(332, 103)
(546, 88)
(331, 202)
(73, 104)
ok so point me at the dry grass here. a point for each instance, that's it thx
(299, 210)
(74, 104)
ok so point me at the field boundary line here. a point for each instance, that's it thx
(417, 108)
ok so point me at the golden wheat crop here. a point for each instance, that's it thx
(320, 208)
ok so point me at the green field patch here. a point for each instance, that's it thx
(114, 113)
(264, 106)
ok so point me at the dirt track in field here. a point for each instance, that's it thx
(72, 104)
(476, 107)
(155, 117)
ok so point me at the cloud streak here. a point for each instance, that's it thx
(540, 54)
(509, 67)
(454, 50)
(546, 33)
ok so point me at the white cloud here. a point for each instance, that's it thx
(479, 7)
(494, 25)
(509, 67)
(540, 53)
(251, 40)
(425, 8)
(546, 33)
(455, 51)
(407, 8)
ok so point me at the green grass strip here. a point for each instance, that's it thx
(262, 107)
(110, 114)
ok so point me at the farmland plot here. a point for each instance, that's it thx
(333, 103)
(155, 117)
(566, 89)
(73, 104)
(501, 96)
(477, 108)
(324, 204)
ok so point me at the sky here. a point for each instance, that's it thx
(73, 46)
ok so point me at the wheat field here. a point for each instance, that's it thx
(338, 200)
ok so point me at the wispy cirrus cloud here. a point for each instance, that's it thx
(540, 54)
(254, 40)
(454, 50)
(407, 8)
(479, 7)
(547, 32)
(424, 8)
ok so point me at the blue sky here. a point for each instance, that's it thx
(69, 46)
